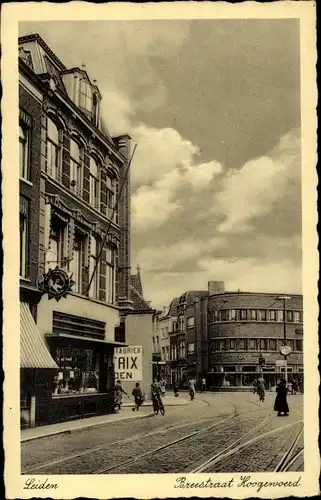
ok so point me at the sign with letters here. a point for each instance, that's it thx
(129, 363)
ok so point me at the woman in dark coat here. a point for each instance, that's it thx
(280, 404)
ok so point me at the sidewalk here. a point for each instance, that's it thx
(126, 413)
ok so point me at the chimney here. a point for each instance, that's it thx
(216, 287)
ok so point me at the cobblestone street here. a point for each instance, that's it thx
(225, 432)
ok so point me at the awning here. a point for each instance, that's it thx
(85, 339)
(33, 350)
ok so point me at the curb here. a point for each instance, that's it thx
(82, 428)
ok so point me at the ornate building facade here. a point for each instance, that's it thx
(71, 171)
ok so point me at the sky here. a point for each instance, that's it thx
(214, 108)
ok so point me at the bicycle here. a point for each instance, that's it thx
(158, 406)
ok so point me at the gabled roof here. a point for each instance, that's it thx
(136, 293)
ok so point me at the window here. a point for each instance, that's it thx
(162, 330)
(23, 245)
(263, 345)
(272, 345)
(232, 314)
(75, 168)
(222, 345)
(78, 370)
(253, 314)
(93, 184)
(272, 314)
(53, 167)
(85, 101)
(111, 190)
(243, 314)
(110, 276)
(297, 317)
(191, 348)
(76, 265)
(215, 316)
(181, 323)
(289, 316)
(232, 344)
(55, 253)
(93, 291)
(280, 315)
(166, 332)
(224, 315)
(95, 110)
(251, 344)
(299, 345)
(190, 322)
(261, 315)
(241, 344)
(24, 151)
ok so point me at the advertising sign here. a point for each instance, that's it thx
(129, 363)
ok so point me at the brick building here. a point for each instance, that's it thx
(222, 335)
(165, 319)
(70, 170)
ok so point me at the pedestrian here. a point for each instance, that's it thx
(294, 387)
(203, 384)
(281, 404)
(138, 396)
(119, 391)
(163, 388)
(176, 389)
(260, 388)
(290, 387)
(156, 394)
(191, 387)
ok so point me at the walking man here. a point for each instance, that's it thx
(203, 384)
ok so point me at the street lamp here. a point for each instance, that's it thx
(285, 350)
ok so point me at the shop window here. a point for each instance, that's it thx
(93, 291)
(272, 315)
(53, 150)
(23, 226)
(253, 314)
(250, 368)
(76, 265)
(289, 316)
(232, 344)
(190, 322)
(24, 151)
(232, 314)
(191, 348)
(94, 184)
(75, 168)
(299, 345)
(78, 370)
(261, 315)
(243, 314)
(272, 345)
(252, 344)
(85, 100)
(241, 344)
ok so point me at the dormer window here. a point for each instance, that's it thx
(95, 110)
(85, 100)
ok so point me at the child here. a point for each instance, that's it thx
(138, 397)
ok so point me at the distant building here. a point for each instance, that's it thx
(71, 170)
(165, 320)
(229, 337)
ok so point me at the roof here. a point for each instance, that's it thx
(36, 37)
(190, 296)
(173, 307)
(136, 282)
(136, 293)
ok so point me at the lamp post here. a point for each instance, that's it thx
(284, 349)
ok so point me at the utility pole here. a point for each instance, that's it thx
(284, 349)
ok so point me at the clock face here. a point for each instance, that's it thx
(285, 350)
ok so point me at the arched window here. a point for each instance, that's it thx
(52, 150)
(75, 167)
(94, 184)
(85, 101)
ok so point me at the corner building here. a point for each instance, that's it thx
(244, 326)
(75, 171)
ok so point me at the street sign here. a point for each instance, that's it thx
(280, 362)
(285, 350)
(128, 363)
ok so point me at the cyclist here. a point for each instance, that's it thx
(156, 395)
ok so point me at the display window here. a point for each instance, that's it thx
(78, 371)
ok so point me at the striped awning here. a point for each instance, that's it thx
(33, 350)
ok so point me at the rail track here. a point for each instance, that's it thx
(291, 455)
